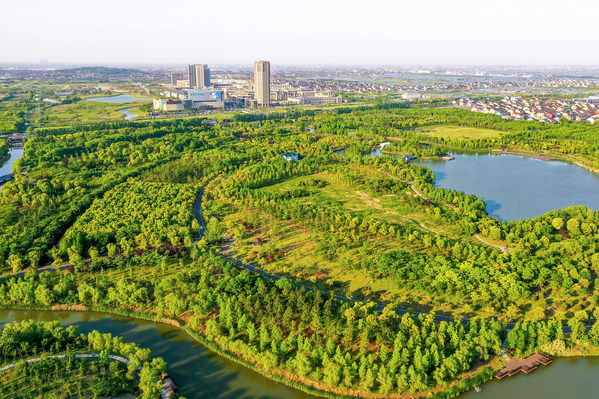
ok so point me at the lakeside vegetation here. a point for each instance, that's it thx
(115, 200)
(4, 150)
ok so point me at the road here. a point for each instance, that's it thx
(39, 270)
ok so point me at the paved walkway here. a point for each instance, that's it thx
(503, 249)
(84, 355)
(418, 192)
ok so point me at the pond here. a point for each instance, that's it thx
(514, 187)
(199, 372)
(123, 98)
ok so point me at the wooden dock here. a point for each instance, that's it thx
(528, 364)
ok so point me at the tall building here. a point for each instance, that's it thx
(174, 78)
(199, 76)
(262, 83)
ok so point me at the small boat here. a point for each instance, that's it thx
(477, 388)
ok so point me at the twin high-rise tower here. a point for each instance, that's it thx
(262, 83)
(199, 76)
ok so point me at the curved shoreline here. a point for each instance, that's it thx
(478, 375)
(545, 157)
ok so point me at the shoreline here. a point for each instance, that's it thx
(478, 375)
(545, 157)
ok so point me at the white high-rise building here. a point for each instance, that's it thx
(262, 83)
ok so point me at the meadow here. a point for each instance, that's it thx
(461, 132)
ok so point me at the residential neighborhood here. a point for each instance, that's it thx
(535, 109)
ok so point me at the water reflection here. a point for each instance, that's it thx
(199, 372)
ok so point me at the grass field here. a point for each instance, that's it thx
(87, 112)
(292, 249)
(461, 132)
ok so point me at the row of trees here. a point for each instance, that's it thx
(281, 327)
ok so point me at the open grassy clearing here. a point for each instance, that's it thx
(461, 132)
(292, 249)
(402, 207)
(86, 112)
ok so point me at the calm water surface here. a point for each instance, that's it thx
(15, 153)
(123, 98)
(128, 114)
(6, 168)
(199, 372)
(516, 187)
(562, 379)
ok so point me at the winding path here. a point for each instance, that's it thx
(503, 249)
(223, 252)
(477, 236)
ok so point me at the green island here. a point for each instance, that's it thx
(340, 274)
(44, 360)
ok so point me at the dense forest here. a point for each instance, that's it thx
(113, 203)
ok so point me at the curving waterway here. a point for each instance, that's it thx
(15, 153)
(6, 168)
(199, 372)
(128, 114)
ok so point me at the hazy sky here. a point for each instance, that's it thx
(507, 32)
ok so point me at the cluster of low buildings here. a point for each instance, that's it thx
(564, 82)
(550, 111)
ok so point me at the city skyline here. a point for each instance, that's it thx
(333, 33)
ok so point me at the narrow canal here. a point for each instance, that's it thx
(6, 168)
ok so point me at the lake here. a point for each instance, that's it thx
(516, 187)
(123, 98)
(199, 372)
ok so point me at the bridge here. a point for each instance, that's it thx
(5, 178)
(16, 139)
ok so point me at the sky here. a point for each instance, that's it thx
(304, 32)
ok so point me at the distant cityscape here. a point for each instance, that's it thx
(547, 94)
(197, 91)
